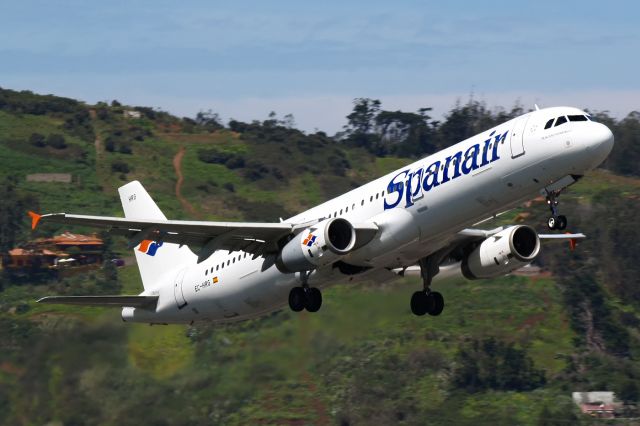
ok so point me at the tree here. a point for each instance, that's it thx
(209, 120)
(629, 392)
(13, 210)
(362, 118)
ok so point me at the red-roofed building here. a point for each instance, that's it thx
(602, 411)
(61, 250)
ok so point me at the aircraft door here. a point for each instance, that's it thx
(177, 289)
(517, 137)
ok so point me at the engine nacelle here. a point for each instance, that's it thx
(502, 253)
(319, 245)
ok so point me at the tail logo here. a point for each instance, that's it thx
(309, 240)
(149, 247)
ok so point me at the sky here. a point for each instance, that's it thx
(243, 59)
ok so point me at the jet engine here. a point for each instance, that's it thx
(318, 245)
(502, 253)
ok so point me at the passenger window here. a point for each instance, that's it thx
(217, 267)
(228, 262)
(371, 198)
(549, 124)
(561, 120)
(577, 118)
(377, 195)
(362, 203)
(346, 210)
(340, 211)
(353, 206)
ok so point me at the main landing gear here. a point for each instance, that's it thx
(427, 301)
(305, 297)
(309, 298)
(555, 221)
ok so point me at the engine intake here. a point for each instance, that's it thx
(502, 253)
(319, 245)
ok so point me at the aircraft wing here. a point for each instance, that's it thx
(255, 238)
(473, 233)
(144, 302)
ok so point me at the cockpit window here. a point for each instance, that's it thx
(549, 124)
(561, 120)
(577, 118)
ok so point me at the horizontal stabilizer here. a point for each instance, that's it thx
(144, 302)
(561, 236)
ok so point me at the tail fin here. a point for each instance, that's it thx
(155, 259)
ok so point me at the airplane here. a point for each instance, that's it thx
(419, 219)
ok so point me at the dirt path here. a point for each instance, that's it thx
(177, 165)
(102, 172)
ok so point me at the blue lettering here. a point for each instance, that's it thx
(471, 154)
(431, 176)
(395, 187)
(498, 139)
(456, 159)
(413, 194)
(485, 151)
(412, 185)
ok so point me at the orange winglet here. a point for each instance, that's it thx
(35, 218)
(572, 242)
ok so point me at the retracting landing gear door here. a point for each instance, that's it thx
(517, 137)
(177, 289)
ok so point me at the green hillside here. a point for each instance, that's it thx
(505, 351)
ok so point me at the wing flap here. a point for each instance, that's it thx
(144, 302)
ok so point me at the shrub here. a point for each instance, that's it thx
(493, 364)
(56, 141)
(119, 166)
(36, 139)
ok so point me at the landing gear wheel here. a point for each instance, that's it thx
(555, 221)
(419, 303)
(313, 299)
(297, 299)
(437, 304)
(561, 222)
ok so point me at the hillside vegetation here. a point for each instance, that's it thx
(505, 351)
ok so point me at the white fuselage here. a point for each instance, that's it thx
(418, 209)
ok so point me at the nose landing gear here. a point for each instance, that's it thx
(555, 221)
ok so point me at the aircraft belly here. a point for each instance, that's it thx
(241, 293)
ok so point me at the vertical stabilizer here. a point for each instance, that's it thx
(157, 261)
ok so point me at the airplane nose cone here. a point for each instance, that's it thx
(603, 139)
(601, 143)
